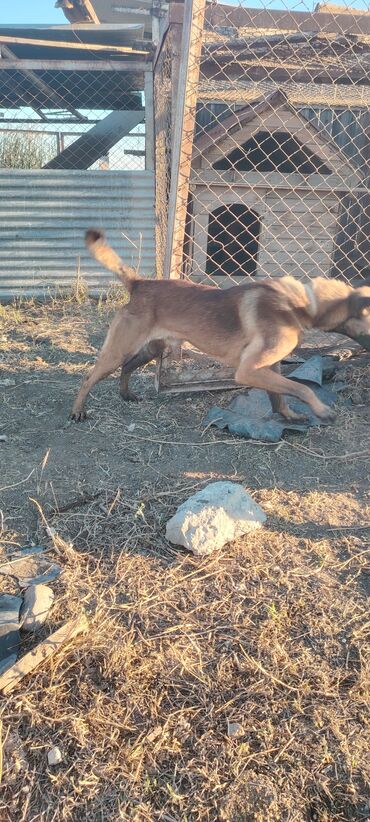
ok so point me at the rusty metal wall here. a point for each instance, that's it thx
(43, 217)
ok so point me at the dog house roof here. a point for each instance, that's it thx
(274, 113)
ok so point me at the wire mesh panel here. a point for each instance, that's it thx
(82, 120)
(270, 151)
(75, 150)
(278, 182)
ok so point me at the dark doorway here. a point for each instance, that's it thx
(278, 151)
(232, 246)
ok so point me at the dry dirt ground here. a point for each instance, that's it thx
(270, 633)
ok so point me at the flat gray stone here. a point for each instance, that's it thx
(7, 663)
(37, 602)
(217, 514)
(9, 630)
(52, 573)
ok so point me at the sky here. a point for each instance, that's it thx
(43, 11)
(30, 11)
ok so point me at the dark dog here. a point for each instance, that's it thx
(250, 327)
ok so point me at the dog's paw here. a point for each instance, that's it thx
(78, 416)
(326, 413)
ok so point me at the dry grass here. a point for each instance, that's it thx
(270, 633)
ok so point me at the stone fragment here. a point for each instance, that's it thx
(37, 602)
(55, 756)
(219, 513)
(9, 630)
(234, 729)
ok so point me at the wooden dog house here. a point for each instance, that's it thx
(265, 191)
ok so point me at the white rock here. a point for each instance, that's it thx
(219, 513)
(55, 756)
(37, 602)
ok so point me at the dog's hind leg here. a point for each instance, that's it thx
(147, 353)
(125, 336)
(256, 370)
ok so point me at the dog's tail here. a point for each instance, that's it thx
(103, 253)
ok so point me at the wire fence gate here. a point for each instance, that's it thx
(262, 150)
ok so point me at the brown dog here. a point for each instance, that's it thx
(250, 327)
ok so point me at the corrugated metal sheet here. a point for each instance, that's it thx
(43, 218)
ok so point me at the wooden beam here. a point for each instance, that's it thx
(183, 130)
(195, 371)
(176, 48)
(275, 180)
(218, 15)
(64, 44)
(66, 121)
(42, 86)
(149, 120)
(281, 74)
(190, 385)
(74, 65)
(167, 25)
(290, 63)
(175, 13)
(96, 142)
(91, 11)
(134, 152)
(13, 676)
(167, 60)
(283, 47)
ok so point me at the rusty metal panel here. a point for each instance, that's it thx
(44, 215)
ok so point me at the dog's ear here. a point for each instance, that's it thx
(359, 305)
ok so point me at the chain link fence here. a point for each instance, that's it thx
(270, 145)
(71, 119)
(76, 107)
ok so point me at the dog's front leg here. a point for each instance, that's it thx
(280, 405)
(255, 370)
(103, 368)
(273, 383)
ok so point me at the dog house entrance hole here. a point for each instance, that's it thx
(232, 244)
